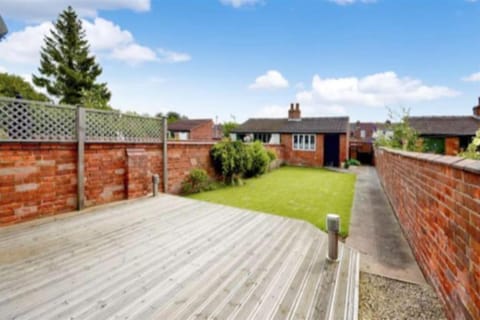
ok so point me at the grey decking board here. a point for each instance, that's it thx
(168, 258)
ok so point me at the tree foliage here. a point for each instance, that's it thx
(171, 116)
(13, 85)
(227, 127)
(399, 134)
(473, 149)
(67, 70)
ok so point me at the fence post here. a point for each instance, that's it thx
(165, 155)
(333, 227)
(80, 158)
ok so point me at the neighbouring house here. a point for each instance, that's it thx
(448, 135)
(318, 142)
(217, 132)
(362, 139)
(191, 129)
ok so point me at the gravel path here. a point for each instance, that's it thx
(383, 298)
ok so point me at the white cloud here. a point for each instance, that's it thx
(474, 77)
(270, 80)
(3, 69)
(376, 90)
(240, 3)
(348, 2)
(134, 54)
(34, 10)
(172, 56)
(24, 46)
(105, 38)
(105, 35)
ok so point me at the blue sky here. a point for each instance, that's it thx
(248, 58)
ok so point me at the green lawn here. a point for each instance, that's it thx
(302, 193)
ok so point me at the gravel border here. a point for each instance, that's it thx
(384, 298)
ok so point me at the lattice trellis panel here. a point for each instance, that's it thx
(104, 126)
(23, 120)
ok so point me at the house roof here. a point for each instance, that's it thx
(305, 125)
(187, 124)
(445, 125)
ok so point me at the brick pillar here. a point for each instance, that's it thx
(138, 180)
(452, 146)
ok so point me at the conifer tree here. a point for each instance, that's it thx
(67, 69)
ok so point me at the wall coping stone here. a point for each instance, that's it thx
(456, 162)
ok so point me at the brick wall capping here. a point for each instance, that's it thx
(456, 162)
(200, 143)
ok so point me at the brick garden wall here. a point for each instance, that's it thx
(437, 201)
(39, 179)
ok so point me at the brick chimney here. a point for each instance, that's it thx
(294, 113)
(476, 109)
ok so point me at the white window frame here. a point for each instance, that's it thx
(301, 138)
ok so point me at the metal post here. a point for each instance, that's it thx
(333, 228)
(80, 158)
(155, 182)
(165, 155)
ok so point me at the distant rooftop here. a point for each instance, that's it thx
(446, 125)
(187, 124)
(303, 125)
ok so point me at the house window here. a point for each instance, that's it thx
(304, 142)
(363, 134)
(262, 137)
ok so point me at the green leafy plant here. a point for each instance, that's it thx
(399, 134)
(227, 127)
(259, 159)
(272, 155)
(353, 162)
(434, 145)
(197, 181)
(473, 149)
(231, 160)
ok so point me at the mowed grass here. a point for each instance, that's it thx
(301, 193)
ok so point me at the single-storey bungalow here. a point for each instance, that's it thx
(191, 129)
(448, 134)
(317, 142)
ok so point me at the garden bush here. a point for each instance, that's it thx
(196, 181)
(272, 155)
(231, 160)
(259, 159)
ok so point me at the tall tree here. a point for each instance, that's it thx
(13, 86)
(67, 70)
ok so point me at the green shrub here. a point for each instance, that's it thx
(196, 181)
(231, 160)
(272, 155)
(473, 149)
(434, 145)
(354, 162)
(259, 159)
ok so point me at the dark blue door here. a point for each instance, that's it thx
(331, 151)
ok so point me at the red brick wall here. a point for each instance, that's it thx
(202, 132)
(437, 201)
(36, 179)
(452, 146)
(39, 179)
(182, 157)
(302, 158)
(343, 147)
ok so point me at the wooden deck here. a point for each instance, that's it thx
(173, 258)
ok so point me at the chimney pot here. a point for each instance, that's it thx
(297, 106)
(291, 106)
